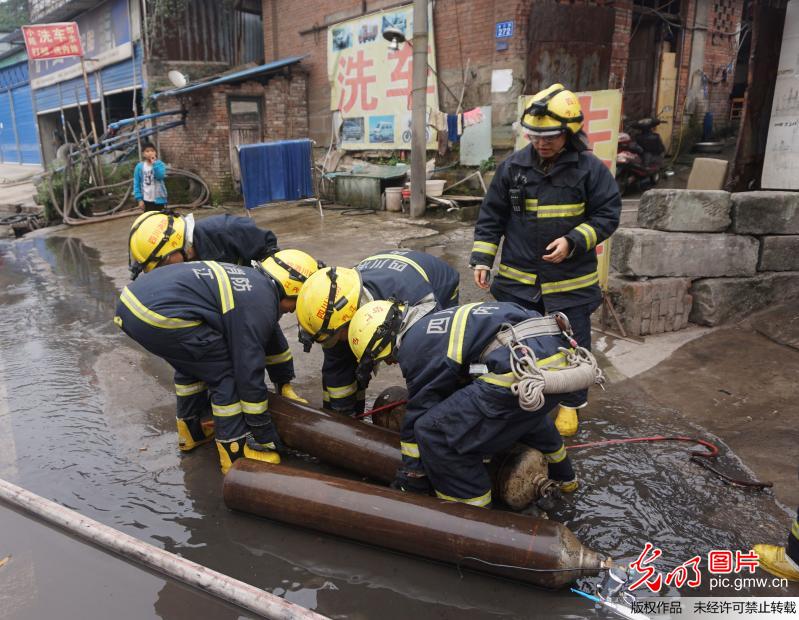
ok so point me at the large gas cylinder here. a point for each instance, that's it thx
(337, 439)
(520, 477)
(537, 551)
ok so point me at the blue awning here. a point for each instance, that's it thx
(232, 78)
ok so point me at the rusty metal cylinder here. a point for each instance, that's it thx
(537, 551)
(337, 439)
(520, 477)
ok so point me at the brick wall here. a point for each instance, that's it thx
(723, 18)
(621, 43)
(721, 51)
(203, 144)
(473, 19)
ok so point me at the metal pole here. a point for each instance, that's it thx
(98, 84)
(216, 584)
(14, 123)
(419, 110)
(89, 100)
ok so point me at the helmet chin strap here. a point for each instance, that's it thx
(137, 268)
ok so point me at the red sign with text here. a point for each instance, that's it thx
(48, 41)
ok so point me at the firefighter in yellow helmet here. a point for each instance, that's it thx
(456, 414)
(330, 298)
(160, 238)
(217, 325)
(550, 204)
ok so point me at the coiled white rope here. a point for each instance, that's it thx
(533, 383)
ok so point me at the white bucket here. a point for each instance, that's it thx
(393, 199)
(433, 188)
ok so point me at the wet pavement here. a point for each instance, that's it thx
(87, 420)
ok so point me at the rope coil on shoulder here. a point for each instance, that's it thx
(534, 383)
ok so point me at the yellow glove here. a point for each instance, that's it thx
(288, 391)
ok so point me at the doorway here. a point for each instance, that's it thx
(245, 116)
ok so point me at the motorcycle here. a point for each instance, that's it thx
(640, 157)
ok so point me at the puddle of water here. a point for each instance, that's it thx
(90, 432)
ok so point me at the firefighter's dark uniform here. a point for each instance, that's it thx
(236, 240)
(216, 324)
(232, 239)
(578, 199)
(404, 275)
(454, 419)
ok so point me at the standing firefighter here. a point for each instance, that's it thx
(331, 297)
(552, 202)
(475, 377)
(217, 325)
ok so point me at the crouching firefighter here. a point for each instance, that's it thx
(480, 378)
(217, 325)
(331, 296)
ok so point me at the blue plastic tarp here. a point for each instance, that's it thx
(275, 171)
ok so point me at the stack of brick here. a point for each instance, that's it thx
(706, 256)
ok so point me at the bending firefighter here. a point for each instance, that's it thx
(217, 325)
(158, 239)
(479, 379)
(331, 297)
(552, 202)
(163, 238)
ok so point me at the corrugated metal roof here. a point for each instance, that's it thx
(232, 78)
(114, 77)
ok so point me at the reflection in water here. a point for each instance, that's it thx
(93, 431)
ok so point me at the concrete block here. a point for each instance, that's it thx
(654, 253)
(707, 173)
(685, 210)
(720, 300)
(765, 213)
(648, 306)
(779, 253)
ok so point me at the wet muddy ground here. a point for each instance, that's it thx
(87, 420)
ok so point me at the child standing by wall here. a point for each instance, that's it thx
(148, 180)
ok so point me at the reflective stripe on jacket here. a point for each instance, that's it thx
(577, 199)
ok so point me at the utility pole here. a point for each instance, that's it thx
(419, 110)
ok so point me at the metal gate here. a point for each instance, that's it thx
(570, 44)
(19, 140)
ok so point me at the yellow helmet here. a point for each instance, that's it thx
(290, 269)
(153, 236)
(553, 111)
(373, 333)
(327, 302)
